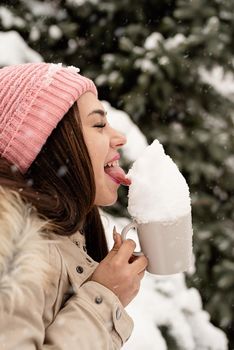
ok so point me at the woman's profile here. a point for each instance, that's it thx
(60, 288)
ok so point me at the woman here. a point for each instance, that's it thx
(59, 287)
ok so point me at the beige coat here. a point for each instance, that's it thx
(47, 301)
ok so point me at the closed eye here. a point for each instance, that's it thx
(100, 125)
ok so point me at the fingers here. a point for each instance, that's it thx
(123, 252)
(117, 239)
(126, 250)
(117, 243)
(139, 264)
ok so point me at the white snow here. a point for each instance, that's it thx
(222, 82)
(153, 41)
(145, 65)
(229, 162)
(164, 60)
(14, 50)
(174, 42)
(119, 120)
(161, 300)
(166, 301)
(211, 26)
(8, 19)
(34, 33)
(38, 8)
(55, 32)
(81, 2)
(113, 77)
(159, 191)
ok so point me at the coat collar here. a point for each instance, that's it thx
(78, 239)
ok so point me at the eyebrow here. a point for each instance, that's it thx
(98, 111)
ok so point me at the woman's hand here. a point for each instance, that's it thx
(120, 271)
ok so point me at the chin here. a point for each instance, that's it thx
(105, 202)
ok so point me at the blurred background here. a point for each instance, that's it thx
(168, 65)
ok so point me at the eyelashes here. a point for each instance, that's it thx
(100, 125)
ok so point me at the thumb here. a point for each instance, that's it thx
(117, 244)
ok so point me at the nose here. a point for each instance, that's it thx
(117, 139)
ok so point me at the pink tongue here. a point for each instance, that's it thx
(118, 174)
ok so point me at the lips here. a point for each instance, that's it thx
(116, 157)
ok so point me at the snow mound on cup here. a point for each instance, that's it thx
(159, 191)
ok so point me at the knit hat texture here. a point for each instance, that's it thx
(34, 97)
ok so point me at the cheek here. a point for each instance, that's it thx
(97, 156)
(98, 148)
(90, 144)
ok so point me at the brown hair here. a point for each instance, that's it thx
(60, 184)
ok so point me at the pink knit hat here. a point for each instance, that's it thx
(34, 97)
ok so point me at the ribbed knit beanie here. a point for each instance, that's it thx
(34, 97)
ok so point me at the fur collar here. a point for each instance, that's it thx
(22, 248)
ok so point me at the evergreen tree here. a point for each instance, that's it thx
(148, 58)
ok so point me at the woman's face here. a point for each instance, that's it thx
(102, 142)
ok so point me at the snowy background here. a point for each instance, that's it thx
(167, 313)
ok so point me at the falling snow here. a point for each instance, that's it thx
(161, 301)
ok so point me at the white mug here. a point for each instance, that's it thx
(167, 245)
